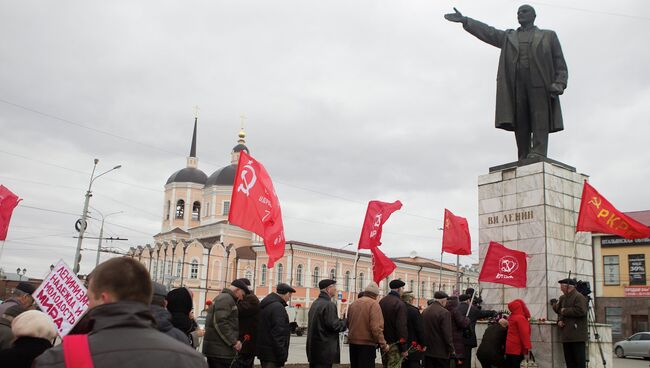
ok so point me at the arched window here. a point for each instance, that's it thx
(360, 283)
(169, 203)
(196, 211)
(263, 275)
(299, 275)
(179, 268)
(347, 280)
(333, 274)
(194, 269)
(154, 274)
(180, 209)
(315, 277)
(249, 275)
(279, 270)
(168, 271)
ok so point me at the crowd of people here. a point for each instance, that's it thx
(134, 322)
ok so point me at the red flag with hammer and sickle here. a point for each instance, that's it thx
(504, 266)
(255, 206)
(382, 266)
(8, 201)
(376, 214)
(599, 216)
(455, 235)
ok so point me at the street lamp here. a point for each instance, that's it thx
(20, 275)
(101, 231)
(84, 215)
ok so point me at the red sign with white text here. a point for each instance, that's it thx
(637, 291)
(63, 297)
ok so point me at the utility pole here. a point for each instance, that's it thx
(101, 232)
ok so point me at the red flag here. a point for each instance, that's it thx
(382, 266)
(8, 201)
(378, 212)
(598, 215)
(504, 266)
(455, 235)
(255, 206)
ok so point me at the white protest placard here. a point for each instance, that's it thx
(63, 297)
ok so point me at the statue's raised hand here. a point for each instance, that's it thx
(455, 17)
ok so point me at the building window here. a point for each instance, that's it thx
(611, 270)
(180, 209)
(194, 269)
(263, 275)
(299, 275)
(168, 271)
(315, 277)
(226, 208)
(154, 274)
(279, 270)
(333, 274)
(207, 209)
(169, 203)
(433, 289)
(636, 264)
(249, 275)
(360, 283)
(196, 211)
(347, 280)
(412, 286)
(614, 317)
(421, 294)
(179, 268)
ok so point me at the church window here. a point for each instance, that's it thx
(194, 269)
(299, 275)
(196, 210)
(263, 275)
(226, 208)
(180, 209)
(333, 274)
(315, 277)
(280, 269)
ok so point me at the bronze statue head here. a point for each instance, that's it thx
(526, 15)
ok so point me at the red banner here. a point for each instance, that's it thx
(255, 206)
(599, 216)
(8, 201)
(504, 266)
(378, 212)
(455, 235)
(637, 291)
(382, 266)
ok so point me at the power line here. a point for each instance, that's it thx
(48, 210)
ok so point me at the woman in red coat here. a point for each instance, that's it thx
(518, 339)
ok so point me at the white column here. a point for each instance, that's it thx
(188, 208)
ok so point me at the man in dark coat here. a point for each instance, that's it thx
(324, 327)
(469, 335)
(572, 320)
(415, 332)
(249, 310)
(273, 331)
(162, 316)
(459, 323)
(122, 331)
(492, 350)
(221, 342)
(437, 333)
(21, 295)
(532, 74)
(395, 323)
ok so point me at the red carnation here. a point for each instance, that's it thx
(344, 300)
(208, 302)
(298, 305)
(247, 337)
(414, 344)
(402, 340)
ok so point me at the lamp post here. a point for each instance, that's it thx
(101, 232)
(20, 275)
(84, 216)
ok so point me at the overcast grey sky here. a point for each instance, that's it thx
(347, 101)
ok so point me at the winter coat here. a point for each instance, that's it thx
(249, 310)
(6, 336)
(123, 335)
(7, 304)
(395, 325)
(366, 322)
(323, 331)
(415, 330)
(23, 352)
(574, 317)
(493, 345)
(437, 331)
(222, 326)
(458, 324)
(518, 338)
(545, 54)
(164, 324)
(273, 330)
(469, 335)
(179, 304)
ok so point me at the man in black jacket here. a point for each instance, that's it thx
(469, 334)
(121, 330)
(162, 316)
(324, 327)
(415, 332)
(395, 323)
(249, 310)
(272, 346)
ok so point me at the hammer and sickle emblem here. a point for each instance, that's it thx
(596, 202)
(247, 185)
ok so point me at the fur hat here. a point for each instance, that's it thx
(33, 324)
(372, 288)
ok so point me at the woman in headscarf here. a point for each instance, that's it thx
(34, 332)
(518, 339)
(179, 304)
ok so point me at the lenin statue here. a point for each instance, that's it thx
(532, 74)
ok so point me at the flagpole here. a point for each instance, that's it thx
(356, 260)
(458, 273)
(2, 248)
(575, 252)
(440, 279)
(470, 303)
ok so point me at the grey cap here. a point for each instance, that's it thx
(283, 288)
(159, 289)
(440, 295)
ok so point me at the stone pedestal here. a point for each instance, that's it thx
(534, 208)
